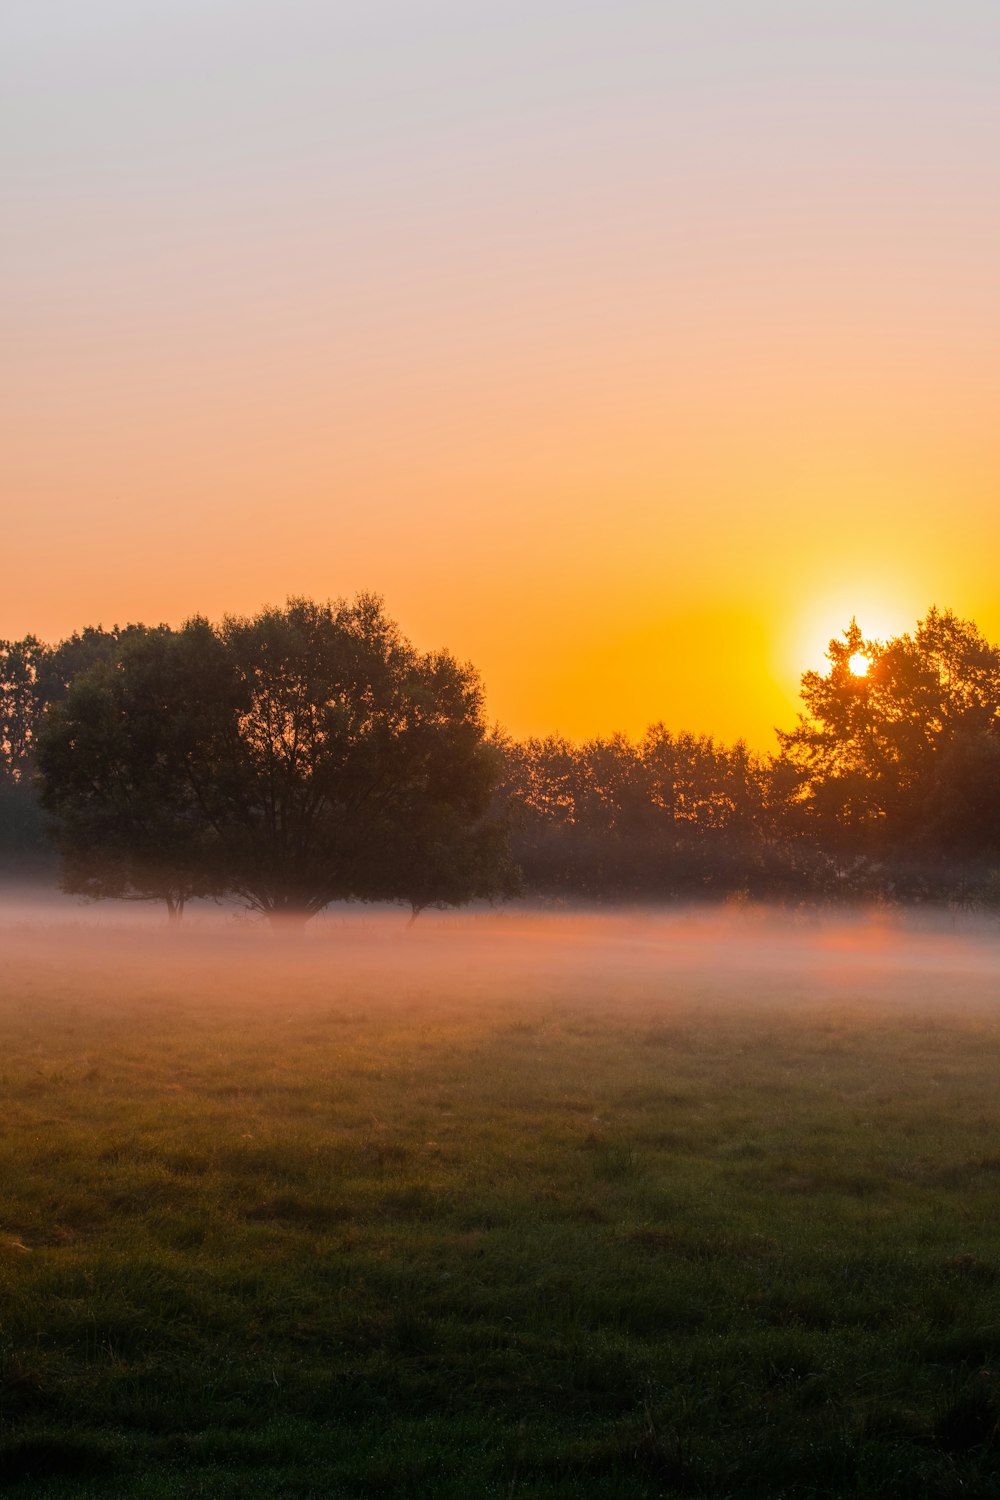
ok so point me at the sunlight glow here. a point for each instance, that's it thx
(859, 664)
(882, 611)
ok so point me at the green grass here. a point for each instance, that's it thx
(315, 1227)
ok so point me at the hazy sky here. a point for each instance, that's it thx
(625, 348)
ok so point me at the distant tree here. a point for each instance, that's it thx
(674, 815)
(21, 700)
(302, 756)
(702, 784)
(574, 814)
(721, 801)
(21, 822)
(32, 675)
(960, 818)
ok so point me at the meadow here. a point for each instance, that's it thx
(513, 1206)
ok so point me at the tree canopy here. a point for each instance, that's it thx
(297, 757)
(310, 754)
(869, 749)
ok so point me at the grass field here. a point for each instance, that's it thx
(532, 1209)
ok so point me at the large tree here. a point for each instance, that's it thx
(871, 748)
(301, 756)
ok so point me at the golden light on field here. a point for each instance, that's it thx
(859, 664)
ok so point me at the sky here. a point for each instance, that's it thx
(628, 350)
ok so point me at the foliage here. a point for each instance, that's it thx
(868, 747)
(887, 787)
(112, 758)
(310, 754)
(304, 755)
(20, 702)
(33, 675)
(674, 815)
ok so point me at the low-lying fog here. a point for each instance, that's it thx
(667, 959)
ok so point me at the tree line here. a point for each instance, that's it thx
(310, 754)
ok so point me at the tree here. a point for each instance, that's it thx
(21, 663)
(672, 815)
(573, 810)
(112, 755)
(960, 817)
(32, 675)
(21, 822)
(868, 746)
(305, 755)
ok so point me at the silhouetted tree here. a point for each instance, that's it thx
(357, 767)
(310, 754)
(32, 675)
(302, 756)
(674, 815)
(21, 821)
(113, 757)
(870, 750)
(21, 701)
(959, 825)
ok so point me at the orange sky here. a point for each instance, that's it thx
(627, 351)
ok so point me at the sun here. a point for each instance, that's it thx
(828, 617)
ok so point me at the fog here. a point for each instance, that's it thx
(657, 962)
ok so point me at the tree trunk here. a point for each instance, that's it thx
(288, 921)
